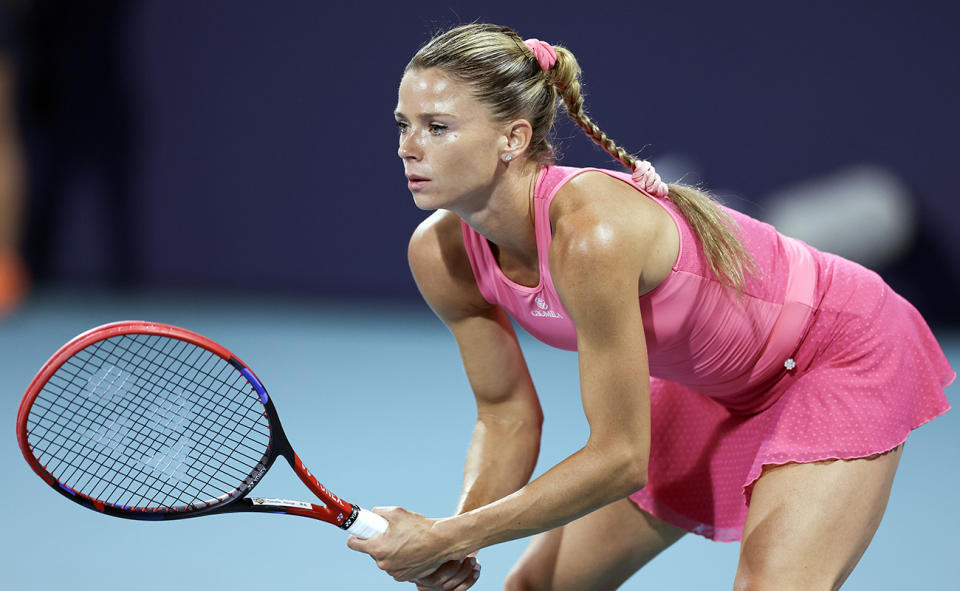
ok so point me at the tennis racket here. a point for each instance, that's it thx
(149, 421)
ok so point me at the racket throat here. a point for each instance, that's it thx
(349, 521)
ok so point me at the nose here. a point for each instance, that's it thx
(409, 148)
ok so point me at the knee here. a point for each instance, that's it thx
(757, 575)
(523, 579)
(756, 582)
(774, 583)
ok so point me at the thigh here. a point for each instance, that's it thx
(809, 524)
(596, 552)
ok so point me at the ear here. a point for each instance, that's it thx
(516, 137)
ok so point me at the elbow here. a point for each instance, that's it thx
(632, 468)
(627, 467)
(639, 462)
(636, 476)
(630, 477)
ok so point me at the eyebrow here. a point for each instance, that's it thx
(424, 115)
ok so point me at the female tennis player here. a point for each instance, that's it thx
(738, 383)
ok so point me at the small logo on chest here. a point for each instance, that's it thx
(543, 309)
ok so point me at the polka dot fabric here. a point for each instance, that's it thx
(868, 371)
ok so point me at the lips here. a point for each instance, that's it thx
(415, 181)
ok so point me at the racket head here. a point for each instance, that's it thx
(148, 421)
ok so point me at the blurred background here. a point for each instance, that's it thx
(231, 166)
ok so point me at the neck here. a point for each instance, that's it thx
(505, 217)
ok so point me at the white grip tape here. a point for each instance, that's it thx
(367, 525)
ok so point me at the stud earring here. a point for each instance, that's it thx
(507, 158)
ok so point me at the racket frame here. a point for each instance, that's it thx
(334, 510)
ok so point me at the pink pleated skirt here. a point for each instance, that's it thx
(868, 371)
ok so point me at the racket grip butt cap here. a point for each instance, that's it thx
(367, 525)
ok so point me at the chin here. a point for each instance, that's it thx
(425, 201)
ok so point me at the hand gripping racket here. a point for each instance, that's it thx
(150, 421)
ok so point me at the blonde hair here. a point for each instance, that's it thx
(504, 74)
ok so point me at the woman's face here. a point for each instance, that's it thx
(449, 145)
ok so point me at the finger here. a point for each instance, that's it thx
(385, 511)
(470, 581)
(455, 576)
(439, 576)
(358, 544)
(403, 575)
(467, 584)
(467, 575)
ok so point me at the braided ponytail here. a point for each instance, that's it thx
(716, 230)
(566, 77)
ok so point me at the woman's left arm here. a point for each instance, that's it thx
(596, 262)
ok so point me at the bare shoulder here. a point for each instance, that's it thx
(603, 224)
(439, 263)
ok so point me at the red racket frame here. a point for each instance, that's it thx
(334, 510)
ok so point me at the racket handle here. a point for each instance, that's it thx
(367, 524)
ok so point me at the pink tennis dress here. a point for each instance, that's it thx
(817, 359)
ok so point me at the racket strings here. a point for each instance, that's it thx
(95, 443)
(115, 426)
(149, 421)
(107, 414)
(140, 416)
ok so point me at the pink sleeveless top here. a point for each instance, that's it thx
(733, 348)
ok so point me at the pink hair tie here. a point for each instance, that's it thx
(645, 175)
(543, 51)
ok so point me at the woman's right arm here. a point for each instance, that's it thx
(506, 438)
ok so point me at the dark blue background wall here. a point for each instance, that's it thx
(257, 144)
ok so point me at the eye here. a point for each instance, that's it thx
(402, 126)
(437, 128)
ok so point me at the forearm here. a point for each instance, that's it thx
(582, 483)
(502, 456)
